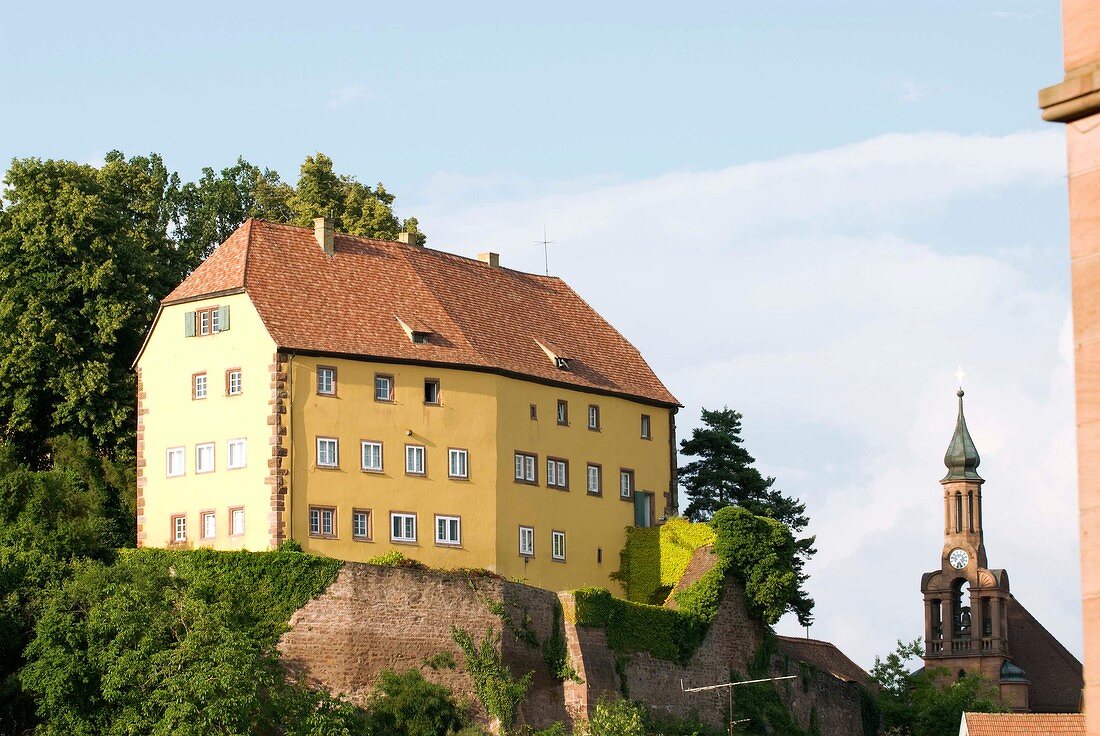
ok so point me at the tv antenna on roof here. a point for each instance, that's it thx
(545, 253)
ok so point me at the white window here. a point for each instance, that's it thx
(233, 383)
(593, 416)
(557, 473)
(563, 411)
(527, 541)
(237, 454)
(414, 459)
(431, 391)
(459, 467)
(525, 468)
(557, 545)
(371, 455)
(175, 462)
(215, 320)
(383, 388)
(448, 530)
(204, 457)
(403, 527)
(626, 483)
(328, 454)
(645, 427)
(326, 381)
(595, 484)
(204, 322)
(179, 528)
(199, 386)
(360, 524)
(322, 521)
(236, 520)
(209, 525)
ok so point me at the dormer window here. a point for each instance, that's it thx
(557, 356)
(562, 363)
(417, 330)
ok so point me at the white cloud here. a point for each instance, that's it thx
(347, 95)
(795, 291)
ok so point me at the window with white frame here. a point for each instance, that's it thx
(204, 457)
(525, 468)
(371, 453)
(557, 473)
(383, 388)
(175, 462)
(360, 524)
(645, 427)
(414, 459)
(215, 321)
(209, 525)
(326, 380)
(563, 411)
(557, 545)
(236, 454)
(179, 528)
(593, 417)
(527, 541)
(626, 483)
(236, 522)
(233, 382)
(198, 386)
(322, 521)
(458, 462)
(204, 322)
(402, 527)
(448, 530)
(595, 479)
(328, 452)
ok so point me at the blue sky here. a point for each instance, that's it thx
(811, 212)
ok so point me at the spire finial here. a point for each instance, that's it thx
(960, 374)
(962, 458)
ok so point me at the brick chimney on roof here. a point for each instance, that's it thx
(324, 229)
(408, 239)
(492, 260)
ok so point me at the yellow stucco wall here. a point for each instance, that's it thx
(486, 414)
(463, 419)
(590, 522)
(174, 419)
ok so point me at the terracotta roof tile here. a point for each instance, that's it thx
(1055, 674)
(353, 303)
(823, 655)
(1025, 724)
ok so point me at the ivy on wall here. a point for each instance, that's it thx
(655, 558)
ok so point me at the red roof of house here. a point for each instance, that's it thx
(824, 656)
(1025, 724)
(353, 303)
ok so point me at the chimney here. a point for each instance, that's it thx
(492, 260)
(324, 230)
(407, 239)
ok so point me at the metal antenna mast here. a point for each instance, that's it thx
(545, 253)
(729, 689)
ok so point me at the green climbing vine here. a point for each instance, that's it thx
(494, 685)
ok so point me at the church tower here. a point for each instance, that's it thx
(966, 604)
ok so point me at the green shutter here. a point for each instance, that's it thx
(189, 324)
(223, 318)
(639, 509)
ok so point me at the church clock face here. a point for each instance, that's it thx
(958, 558)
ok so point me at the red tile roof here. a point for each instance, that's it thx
(1025, 724)
(824, 656)
(485, 318)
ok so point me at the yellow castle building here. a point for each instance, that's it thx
(362, 396)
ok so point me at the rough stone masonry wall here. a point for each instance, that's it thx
(377, 618)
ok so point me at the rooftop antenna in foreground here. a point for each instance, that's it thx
(545, 253)
(729, 688)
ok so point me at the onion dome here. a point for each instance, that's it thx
(962, 457)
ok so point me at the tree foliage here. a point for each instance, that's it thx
(724, 474)
(86, 255)
(405, 704)
(929, 702)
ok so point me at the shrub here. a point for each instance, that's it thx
(405, 704)
(396, 559)
(617, 718)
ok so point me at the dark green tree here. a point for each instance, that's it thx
(723, 474)
(405, 704)
(929, 702)
(84, 258)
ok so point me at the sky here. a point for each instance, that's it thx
(810, 212)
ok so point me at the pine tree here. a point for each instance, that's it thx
(724, 475)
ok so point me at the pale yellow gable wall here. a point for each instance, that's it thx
(174, 419)
(464, 419)
(590, 522)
